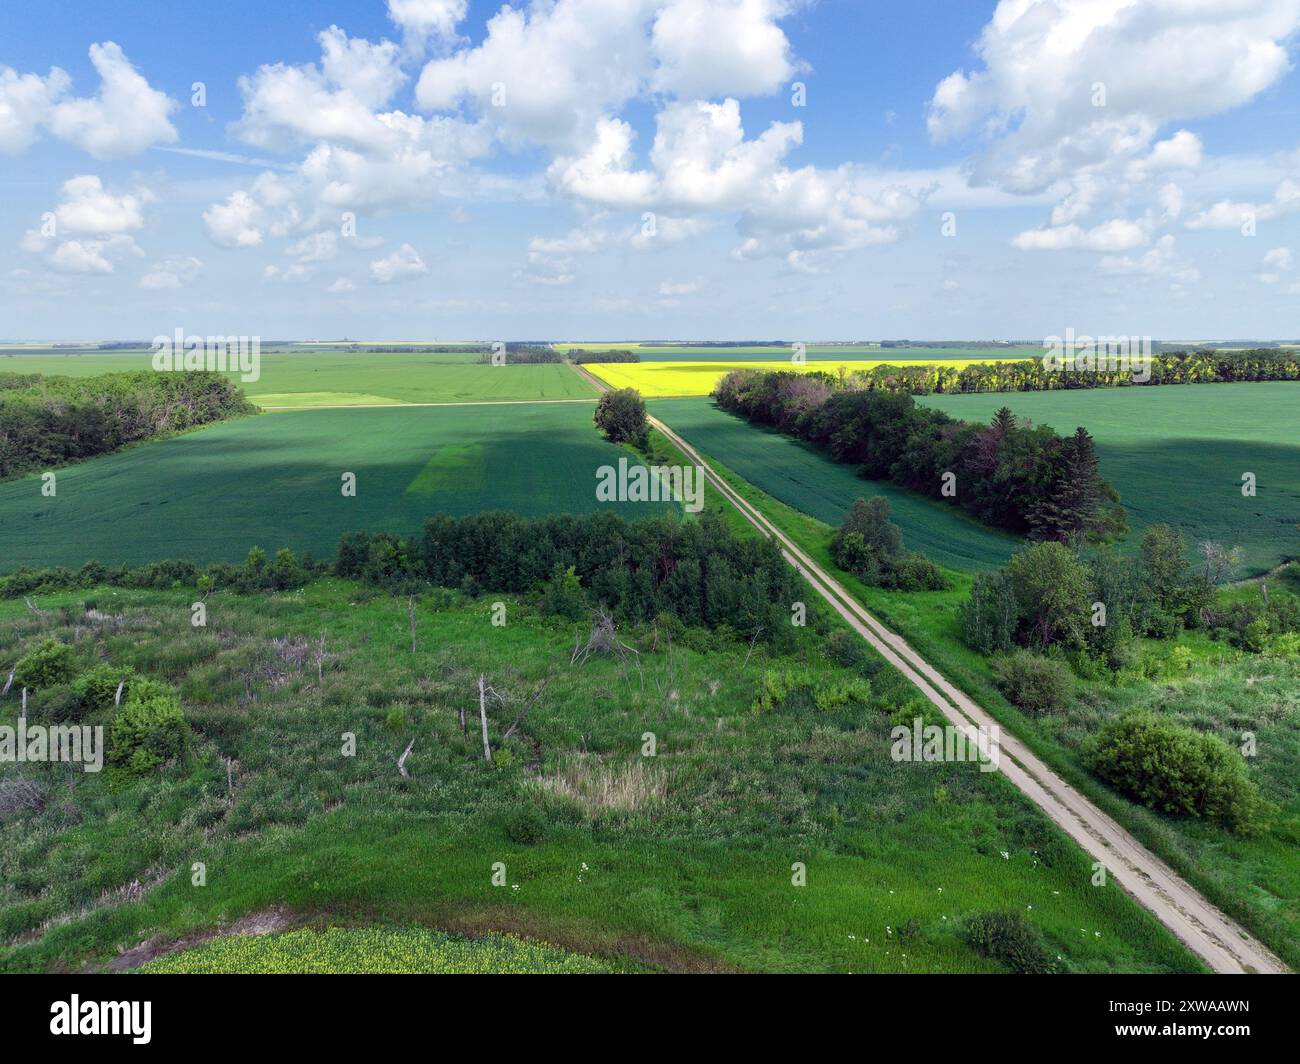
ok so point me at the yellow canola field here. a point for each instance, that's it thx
(658, 380)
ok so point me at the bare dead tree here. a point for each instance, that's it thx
(33, 607)
(117, 698)
(320, 658)
(9, 682)
(602, 640)
(482, 715)
(753, 643)
(526, 707)
(401, 761)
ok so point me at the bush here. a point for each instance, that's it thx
(562, 596)
(620, 415)
(839, 693)
(1175, 769)
(49, 664)
(149, 730)
(845, 649)
(915, 572)
(526, 826)
(1010, 939)
(1034, 683)
(58, 704)
(97, 688)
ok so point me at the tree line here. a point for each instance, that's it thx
(699, 571)
(1024, 478)
(581, 356)
(1036, 375)
(524, 355)
(50, 421)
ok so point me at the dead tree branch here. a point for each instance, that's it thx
(401, 761)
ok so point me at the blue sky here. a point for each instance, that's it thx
(618, 169)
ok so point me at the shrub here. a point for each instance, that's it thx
(149, 730)
(1285, 645)
(1034, 683)
(620, 415)
(843, 692)
(97, 688)
(915, 572)
(526, 826)
(777, 687)
(562, 595)
(286, 572)
(17, 796)
(845, 649)
(1175, 769)
(1010, 939)
(59, 704)
(47, 665)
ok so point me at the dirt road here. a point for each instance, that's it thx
(1219, 941)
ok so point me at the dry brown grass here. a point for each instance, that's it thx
(596, 785)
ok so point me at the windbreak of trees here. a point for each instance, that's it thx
(1033, 375)
(50, 421)
(524, 355)
(1024, 478)
(581, 356)
(697, 571)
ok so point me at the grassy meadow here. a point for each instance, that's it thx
(276, 480)
(1177, 454)
(678, 861)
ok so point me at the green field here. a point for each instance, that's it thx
(275, 480)
(1177, 455)
(799, 475)
(815, 353)
(329, 377)
(680, 862)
